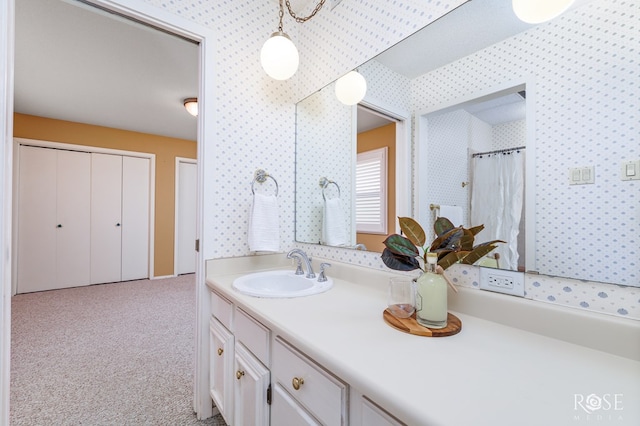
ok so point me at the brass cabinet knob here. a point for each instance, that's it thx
(297, 382)
(220, 351)
(239, 374)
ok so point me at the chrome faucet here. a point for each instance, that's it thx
(302, 256)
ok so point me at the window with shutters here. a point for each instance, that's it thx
(371, 191)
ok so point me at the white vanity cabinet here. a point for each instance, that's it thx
(221, 356)
(221, 344)
(253, 380)
(305, 391)
(258, 378)
(239, 381)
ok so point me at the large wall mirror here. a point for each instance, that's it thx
(557, 100)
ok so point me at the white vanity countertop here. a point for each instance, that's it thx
(488, 374)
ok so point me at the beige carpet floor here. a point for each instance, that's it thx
(111, 354)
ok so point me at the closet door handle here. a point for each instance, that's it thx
(117, 224)
(59, 225)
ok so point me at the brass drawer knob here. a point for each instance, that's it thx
(297, 382)
(220, 351)
(239, 374)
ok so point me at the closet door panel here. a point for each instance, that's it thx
(106, 207)
(36, 257)
(135, 218)
(73, 206)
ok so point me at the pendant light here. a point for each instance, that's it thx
(351, 88)
(279, 56)
(538, 11)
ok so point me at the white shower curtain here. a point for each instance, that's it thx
(497, 196)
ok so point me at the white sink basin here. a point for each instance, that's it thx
(280, 283)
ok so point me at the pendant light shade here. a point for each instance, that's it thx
(537, 11)
(351, 88)
(191, 105)
(279, 56)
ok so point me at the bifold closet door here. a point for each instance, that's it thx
(135, 218)
(54, 219)
(36, 262)
(106, 212)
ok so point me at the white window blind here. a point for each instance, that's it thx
(371, 191)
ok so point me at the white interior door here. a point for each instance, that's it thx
(36, 262)
(106, 210)
(135, 218)
(186, 218)
(73, 247)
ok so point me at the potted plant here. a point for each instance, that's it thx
(452, 245)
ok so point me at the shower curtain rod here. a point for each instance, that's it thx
(498, 151)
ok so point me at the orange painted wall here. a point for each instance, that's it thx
(375, 139)
(166, 150)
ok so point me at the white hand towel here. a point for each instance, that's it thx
(333, 224)
(264, 224)
(453, 213)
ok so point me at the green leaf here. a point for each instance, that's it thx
(399, 262)
(466, 242)
(450, 240)
(398, 244)
(451, 258)
(476, 229)
(477, 253)
(442, 225)
(413, 231)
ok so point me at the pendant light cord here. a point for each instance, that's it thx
(296, 17)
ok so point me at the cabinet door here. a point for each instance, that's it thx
(36, 261)
(106, 207)
(285, 411)
(251, 385)
(73, 206)
(365, 412)
(135, 218)
(221, 372)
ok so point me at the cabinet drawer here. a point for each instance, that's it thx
(253, 335)
(222, 309)
(321, 393)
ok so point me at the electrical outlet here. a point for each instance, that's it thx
(502, 281)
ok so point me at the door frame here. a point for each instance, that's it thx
(162, 19)
(177, 215)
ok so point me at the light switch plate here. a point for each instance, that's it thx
(582, 175)
(630, 170)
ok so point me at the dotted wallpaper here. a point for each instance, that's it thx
(509, 135)
(325, 147)
(586, 101)
(255, 122)
(447, 164)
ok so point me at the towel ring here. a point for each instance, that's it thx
(261, 176)
(324, 183)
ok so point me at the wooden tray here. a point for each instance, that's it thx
(411, 326)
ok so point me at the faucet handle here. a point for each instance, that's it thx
(322, 277)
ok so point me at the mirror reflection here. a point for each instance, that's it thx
(579, 101)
